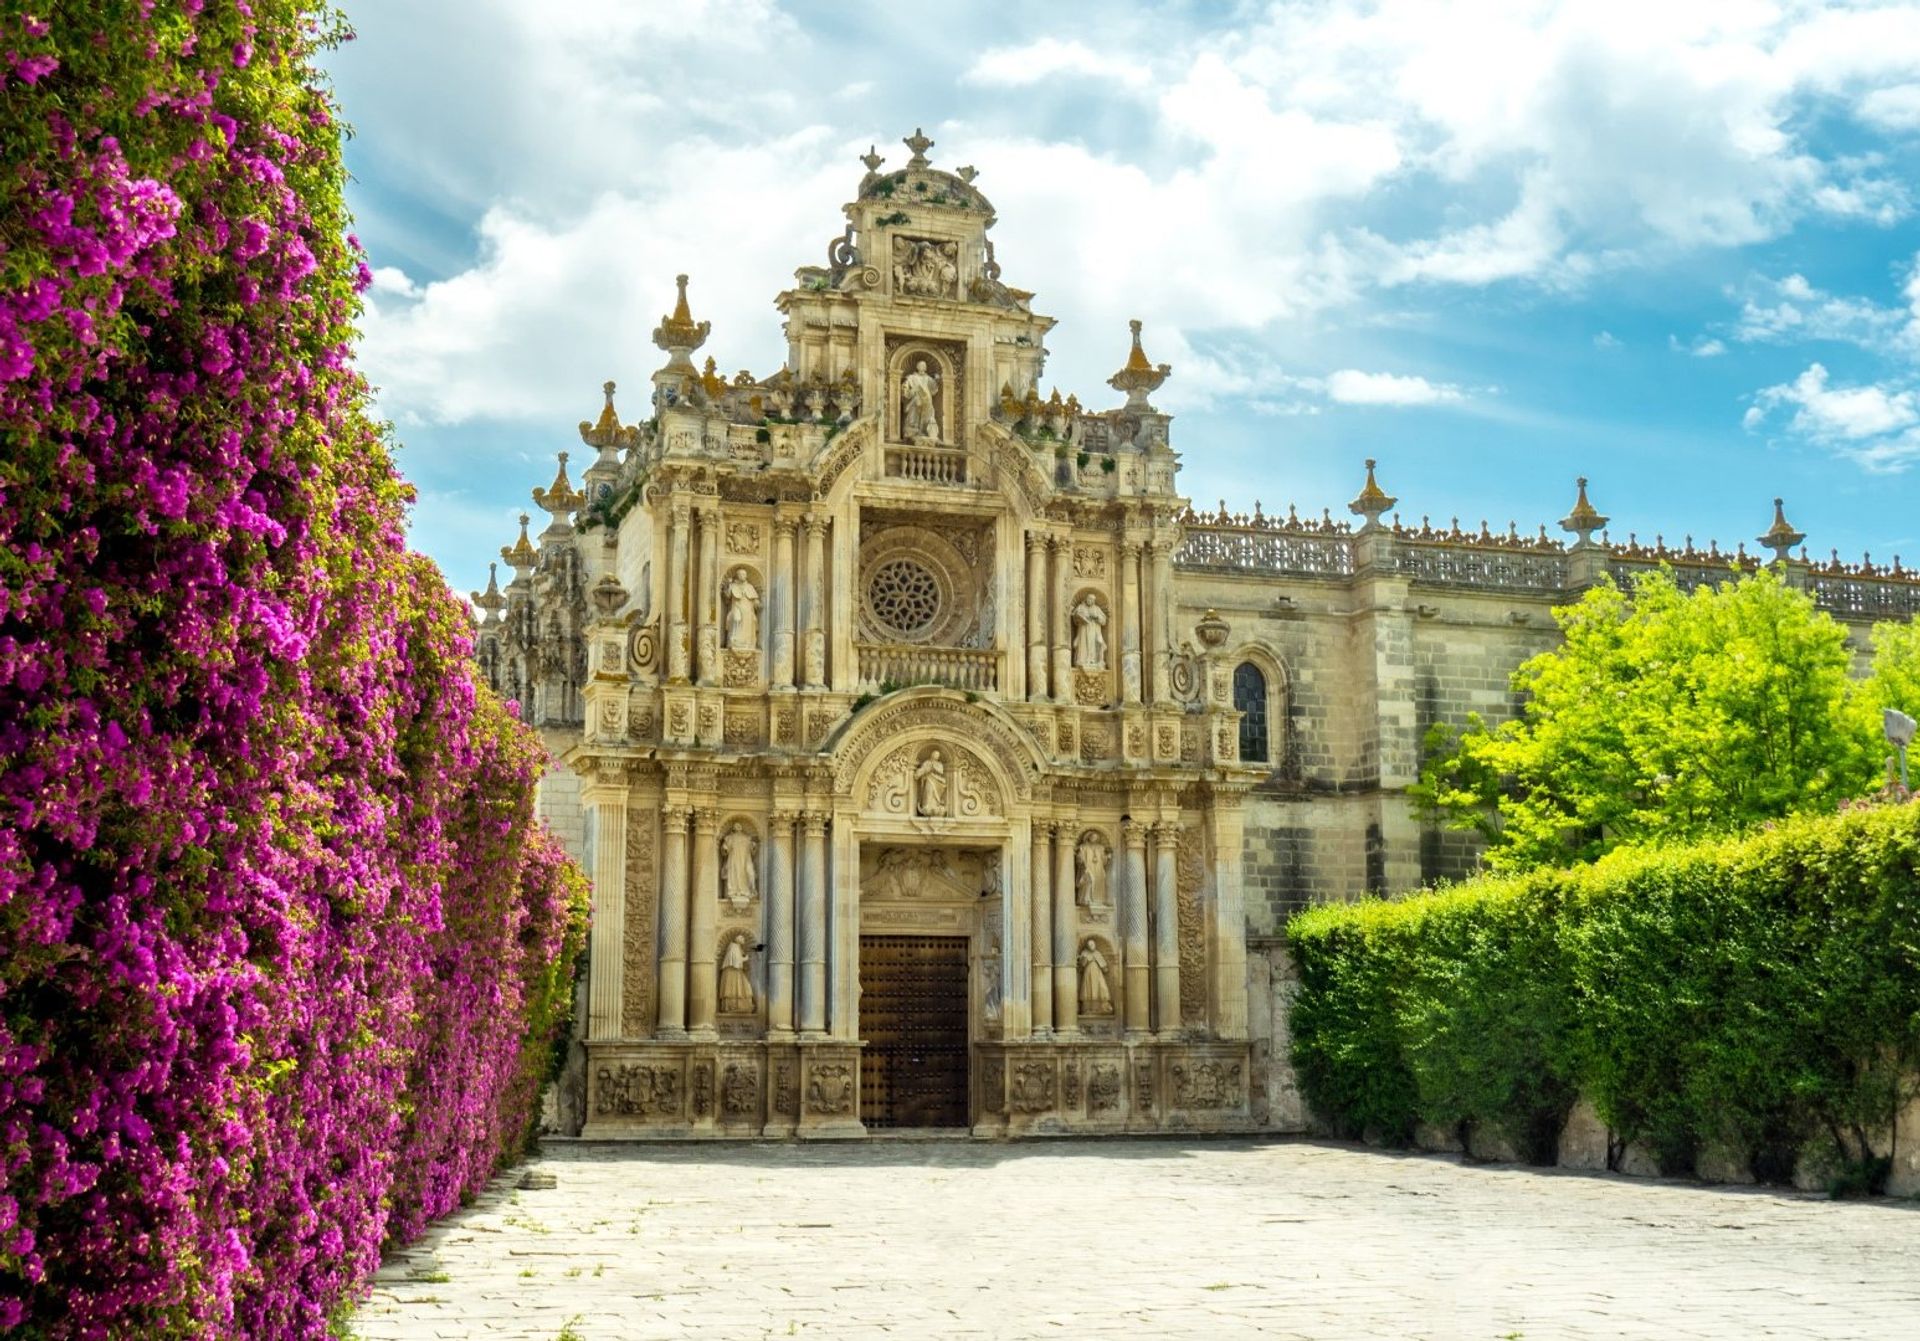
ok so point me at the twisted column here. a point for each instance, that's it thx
(678, 521)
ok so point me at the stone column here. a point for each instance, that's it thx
(673, 922)
(1153, 670)
(1042, 934)
(779, 903)
(702, 947)
(811, 924)
(780, 603)
(1133, 928)
(813, 602)
(607, 958)
(1162, 651)
(1036, 617)
(1128, 617)
(1166, 928)
(677, 544)
(1066, 925)
(706, 631)
(1062, 634)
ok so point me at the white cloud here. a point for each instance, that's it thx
(1051, 58)
(1350, 386)
(1896, 108)
(1606, 340)
(1792, 309)
(1874, 424)
(1701, 347)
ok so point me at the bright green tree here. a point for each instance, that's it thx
(1662, 716)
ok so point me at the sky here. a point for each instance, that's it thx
(1672, 247)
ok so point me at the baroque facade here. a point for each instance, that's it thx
(935, 764)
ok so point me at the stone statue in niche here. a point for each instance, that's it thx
(739, 876)
(736, 987)
(743, 613)
(1095, 998)
(919, 405)
(930, 787)
(1090, 883)
(1089, 634)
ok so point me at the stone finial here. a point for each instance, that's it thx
(1781, 537)
(490, 602)
(1139, 378)
(711, 381)
(1212, 630)
(605, 433)
(608, 596)
(679, 334)
(1373, 502)
(919, 143)
(872, 160)
(560, 497)
(520, 554)
(966, 173)
(1584, 520)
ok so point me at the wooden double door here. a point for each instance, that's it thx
(913, 1018)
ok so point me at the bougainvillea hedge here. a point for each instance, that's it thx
(282, 948)
(1748, 996)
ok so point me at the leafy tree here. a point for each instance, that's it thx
(1663, 716)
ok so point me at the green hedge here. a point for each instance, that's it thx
(1750, 995)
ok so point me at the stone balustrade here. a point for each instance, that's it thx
(900, 664)
(927, 465)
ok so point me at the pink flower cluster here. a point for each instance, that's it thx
(283, 951)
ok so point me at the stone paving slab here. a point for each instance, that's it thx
(1163, 1238)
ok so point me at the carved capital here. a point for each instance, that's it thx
(1043, 830)
(814, 822)
(675, 818)
(1167, 833)
(1062, 545)
(1135, 832)
(784, 527)
(706, 821)
(1129, 550)
(1036, 542)
(814, 525)
(679, 511)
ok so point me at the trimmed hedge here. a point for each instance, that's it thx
(282, 948)
(1749, 995)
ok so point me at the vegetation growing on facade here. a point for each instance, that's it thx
(1666, 716)
(281, 946)
(1748, 995)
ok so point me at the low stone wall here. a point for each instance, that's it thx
(1272, 984)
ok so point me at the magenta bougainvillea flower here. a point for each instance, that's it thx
(283, 951)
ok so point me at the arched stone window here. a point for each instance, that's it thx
(1250, 697)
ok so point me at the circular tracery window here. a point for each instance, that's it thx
(904, 596)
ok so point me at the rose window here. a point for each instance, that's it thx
(904, 596)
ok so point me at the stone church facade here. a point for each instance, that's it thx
(935, 764)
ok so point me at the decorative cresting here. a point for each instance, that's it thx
(938, 716)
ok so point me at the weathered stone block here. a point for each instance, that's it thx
(1584, 1138)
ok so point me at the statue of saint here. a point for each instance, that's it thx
(1089, 634)
(1091, 884)
(736, 988)
(1095, 999)
(743, 613)
(738, 875)
(930, 784)
(919, 412)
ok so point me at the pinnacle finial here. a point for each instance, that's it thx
(680, 334)
(1584, 520)
(919, 143)
(1139, 378)
(1781, 537)
(520, 553)
(1372, 501)
(872, 159)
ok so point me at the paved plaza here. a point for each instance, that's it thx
(1152, 1238)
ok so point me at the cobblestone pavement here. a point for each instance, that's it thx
(1202, 1238)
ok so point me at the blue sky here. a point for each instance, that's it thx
(1671, 247)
